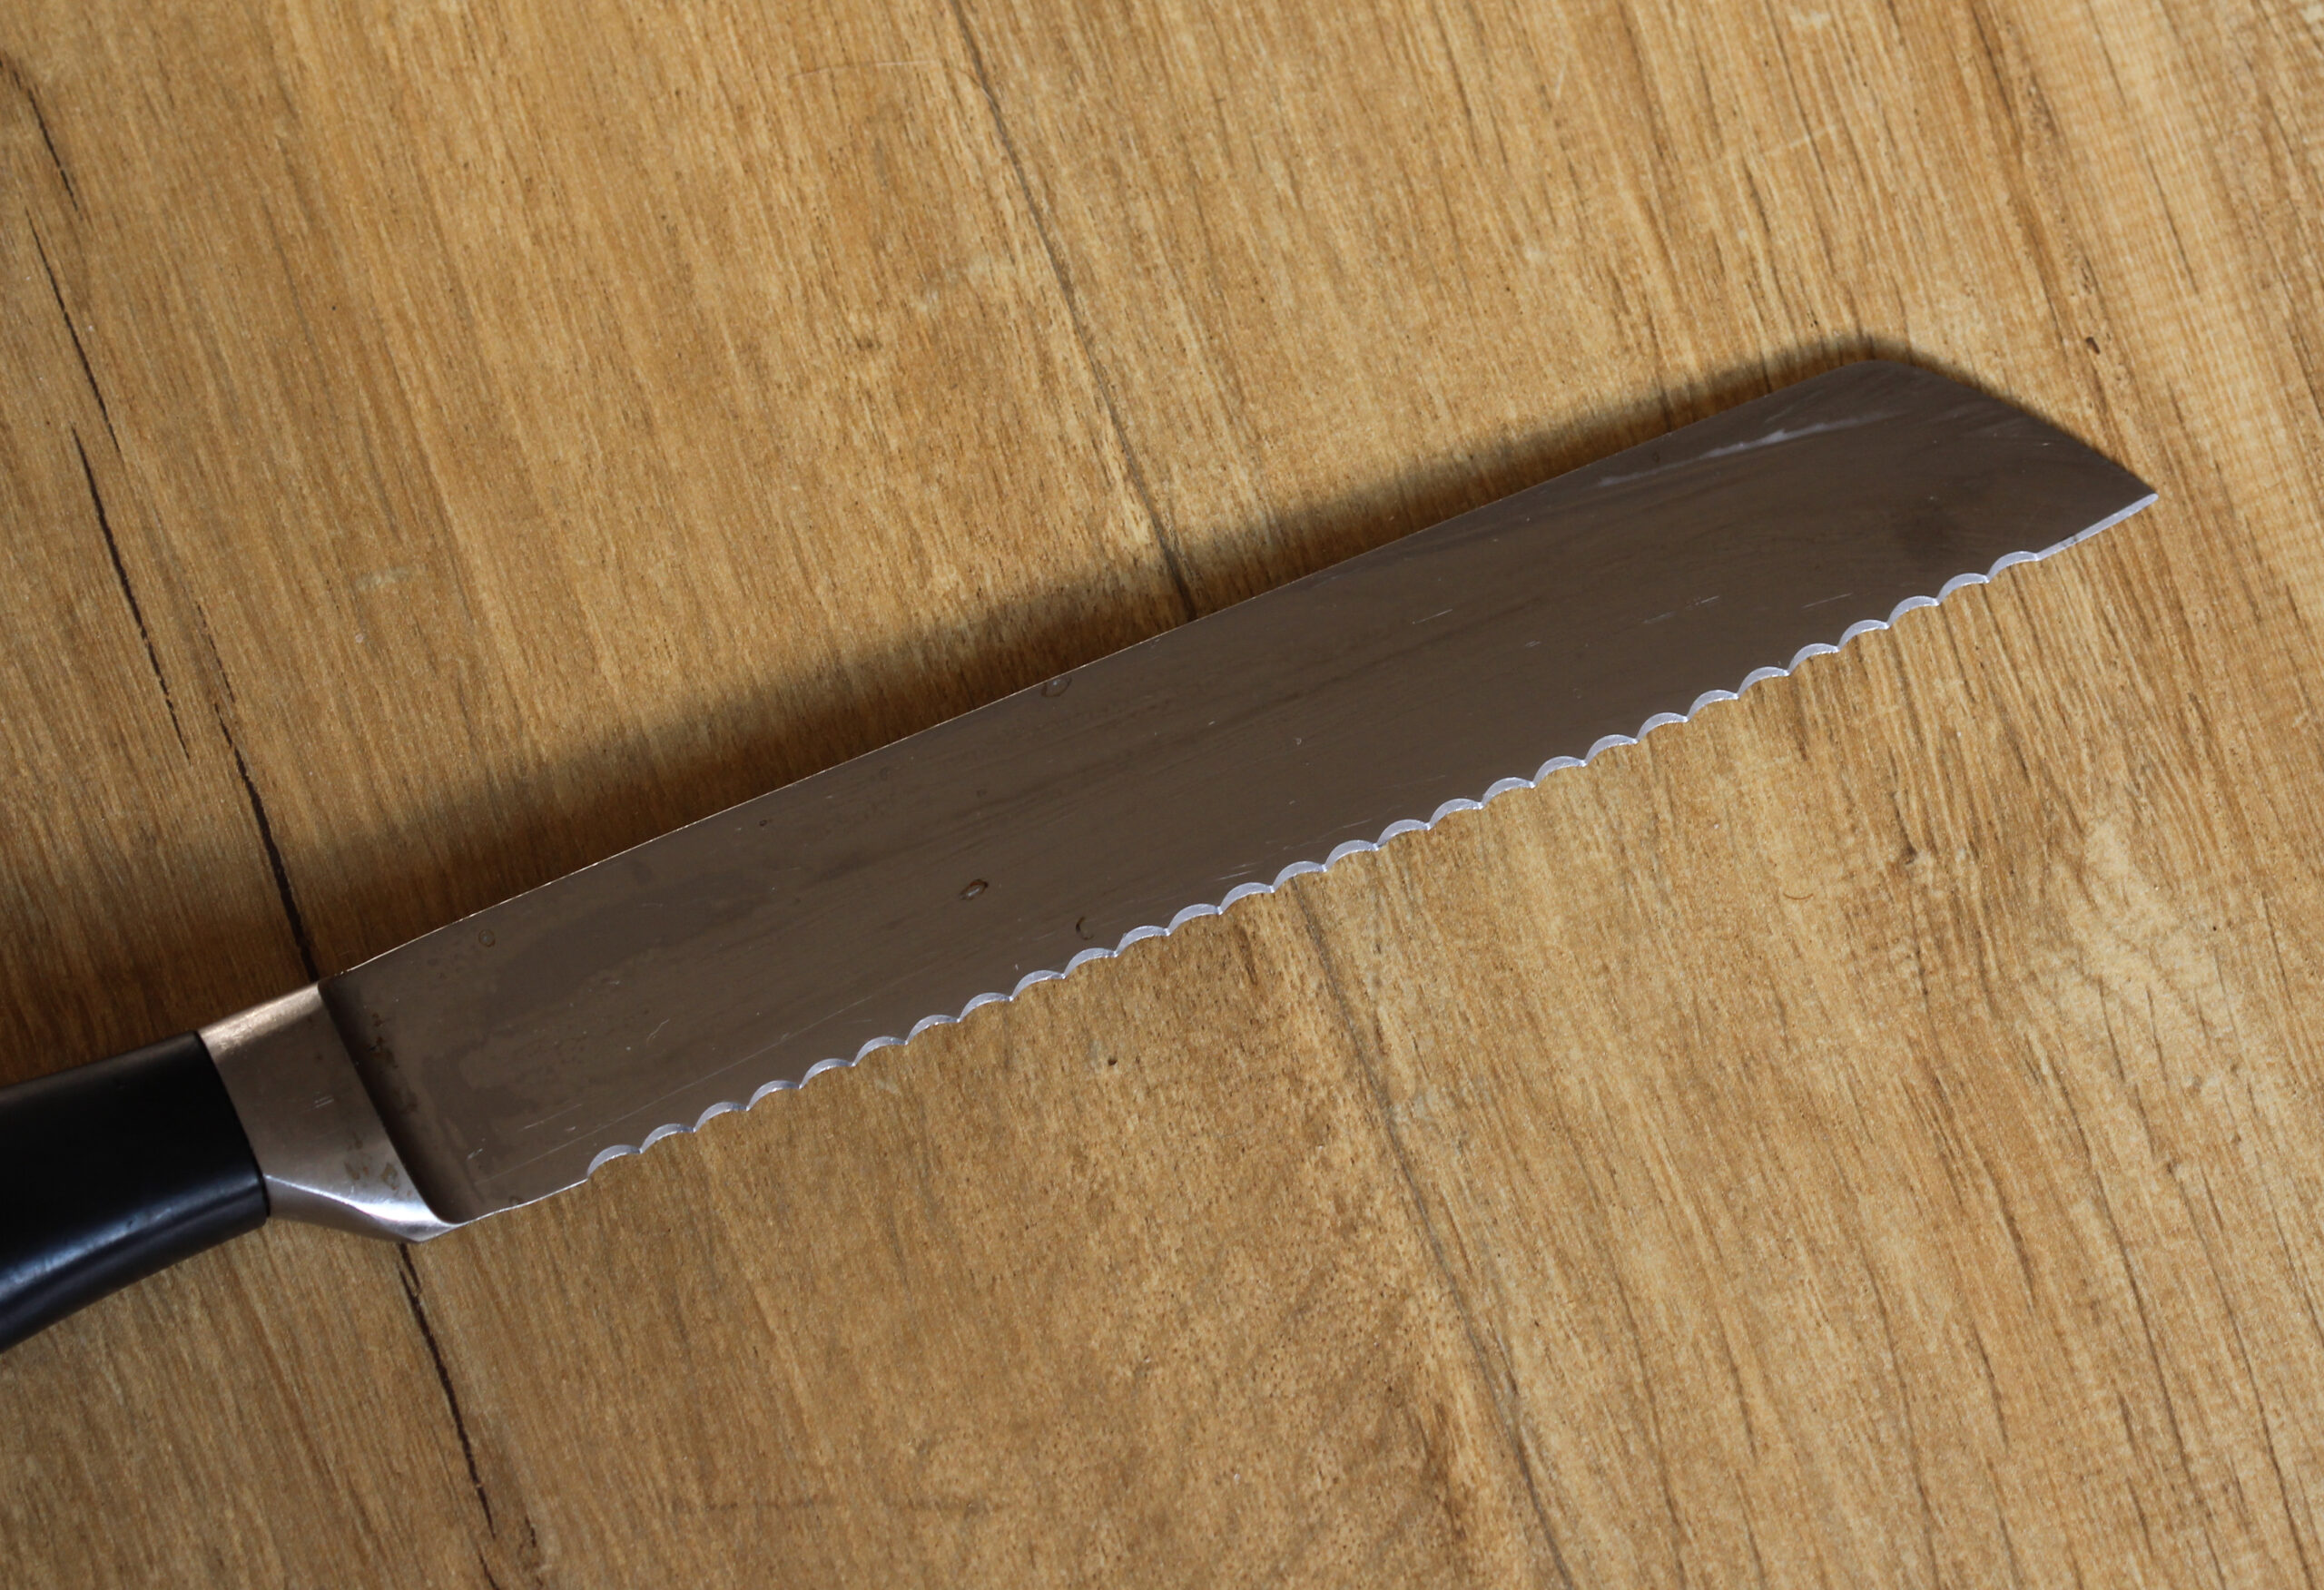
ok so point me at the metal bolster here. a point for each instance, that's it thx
(318, 1138)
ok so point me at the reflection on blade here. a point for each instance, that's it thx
(514, 1051)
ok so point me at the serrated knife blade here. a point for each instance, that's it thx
(506, 1056)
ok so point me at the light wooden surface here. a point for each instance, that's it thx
(1873, 1134)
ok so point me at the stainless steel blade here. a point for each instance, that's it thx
(513, 1052)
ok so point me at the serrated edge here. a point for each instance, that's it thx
(1359, 847)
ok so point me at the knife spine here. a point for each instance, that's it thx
(1359, 847)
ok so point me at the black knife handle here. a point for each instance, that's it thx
(112, 1171)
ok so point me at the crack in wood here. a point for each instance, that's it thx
(410, 1277)
(128, 592)
(22, 85)
(1172, 563)
(273, 857)
(1496, 1380)
(73, 331)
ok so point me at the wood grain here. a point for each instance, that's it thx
(1873, 1133)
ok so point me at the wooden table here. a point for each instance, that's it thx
(1873, 1133)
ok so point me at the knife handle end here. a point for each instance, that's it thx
(112, 1171)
